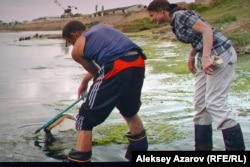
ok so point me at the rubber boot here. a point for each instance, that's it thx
(233, 139)
(78, 156)
(136, 143)
(203, 137)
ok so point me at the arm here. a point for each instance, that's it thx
(84, 85)
(207, 35)
(191, 61)
(90, 66)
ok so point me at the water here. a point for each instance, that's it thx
(34, 76)
(38, 78)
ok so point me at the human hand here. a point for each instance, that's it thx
(82, 89)
(191, 64)
(208, 65)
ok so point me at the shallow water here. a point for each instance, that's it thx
(38, 78)
(35, 75)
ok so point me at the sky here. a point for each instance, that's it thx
(27, 10)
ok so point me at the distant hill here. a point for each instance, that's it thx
(88, 21)
(232, 18)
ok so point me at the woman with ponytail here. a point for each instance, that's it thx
(213, 79)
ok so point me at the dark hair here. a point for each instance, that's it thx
(72, 26)
(158, 5)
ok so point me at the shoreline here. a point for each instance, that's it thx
(240, 50)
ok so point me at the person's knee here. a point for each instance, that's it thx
(202, 118)
(87, 124)
(228, 123)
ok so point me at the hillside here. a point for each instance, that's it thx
(58, 25)
(232, 18)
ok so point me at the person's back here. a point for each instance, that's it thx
(113, 44)
(182, 22)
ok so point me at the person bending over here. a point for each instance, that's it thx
(116, 66)
(212, 81)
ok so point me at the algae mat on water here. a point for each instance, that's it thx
(156, 133)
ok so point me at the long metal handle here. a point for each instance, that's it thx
(59, 114)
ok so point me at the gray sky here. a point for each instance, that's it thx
(20, 10)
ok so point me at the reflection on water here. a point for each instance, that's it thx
(47, 145)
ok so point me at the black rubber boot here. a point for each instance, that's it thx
(233, 139)
(78, 156)
(203, 137)
(136, 143)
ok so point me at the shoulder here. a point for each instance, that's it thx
(185, 14)
(99, 29)
(185, 17)
(78, 48)
(101, 26)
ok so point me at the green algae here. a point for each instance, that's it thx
(158, 131)
(110, 134)
(241, 82)
(168, 66)
(177, 64)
